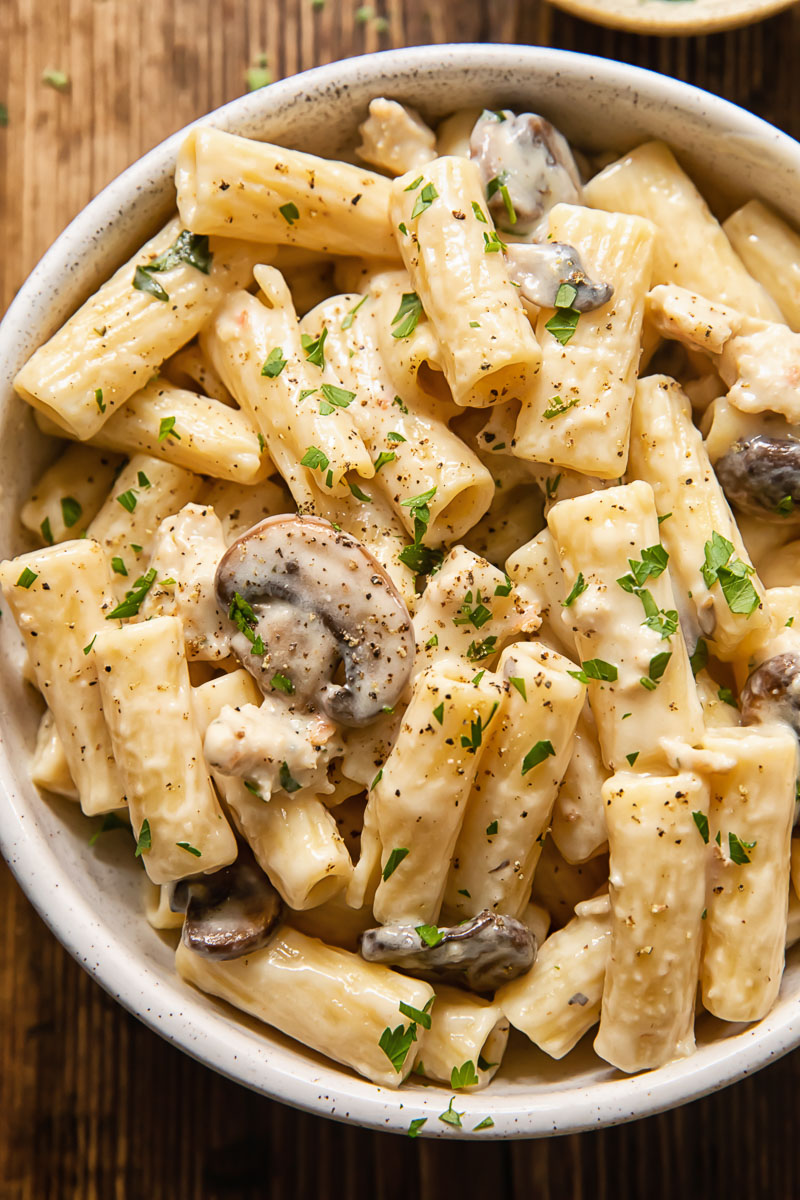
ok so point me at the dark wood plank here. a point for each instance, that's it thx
(92, 1105)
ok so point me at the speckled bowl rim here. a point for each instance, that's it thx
(272, 1066)
(674, 22)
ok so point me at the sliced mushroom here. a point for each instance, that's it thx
(761, 475)
(528, 157)
(540, 268)
(772, 693)
(316, 596)
(229, 913)
(483, 953)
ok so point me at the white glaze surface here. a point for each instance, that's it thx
(91, 897)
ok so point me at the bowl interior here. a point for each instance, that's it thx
(92, 897)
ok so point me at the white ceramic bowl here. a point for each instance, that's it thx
(91, 897)
(664, 18)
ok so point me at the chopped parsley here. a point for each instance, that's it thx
(142, 480)
(47, 532)
(143, 282)
(396, 1043)
(385, 456)
(412, 187)
(464, 1076)
(393, 861)
(658, 665)
(189, 848)
(282, 683)
(727, 697)
(110, 821)
(59, 80)
(699, 659)
(504, 589)
(701, 821)
(738, 849)
(652, 564)
(350, 316)
(537, 754)
(722, 566)
(438, 712)
(130, 606)
(432, 642)
(420, 1016)
(26, 577)
(406, 318)
(356, 491)
(315, 458)
(376, 781)
(189, 248)
(469, 615)
(557, 407)
(274, 364)
(491, 829)
(98, 396)
(499, 184)
(595, 668)
(337, 397)
(450, 1116)
(518, 682)
(127, 500)
(88, 649)
(252, 787)
(118, 566)
(287, 780)
(476, 732)
(578, 588)
(424, 200)
(144, 842)
(565, 319)
(479, 213)
(394, 437)
(403, 408)
(415, 1126)
(785, 506)
(166, 428)
(476, 651)
(315, 347)
(492, 242)
(632, 757)
(258, 76)
(486, 1123)
(244, 618)
(289, 212)
(551, 486)
(430, 935)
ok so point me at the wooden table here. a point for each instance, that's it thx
(93, 1105)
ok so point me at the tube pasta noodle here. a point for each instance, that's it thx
(579, 818)
(295, 842)
(69, 494)
(368, 577)
(121, 335)
(240, 508)
(490, 354)
(752, 810)
(647, 1015)
(691, 248)
(467, 610)
(256, 349)
(241, 188)
(324, 997)
(416, 451)
(145, 492)
(144, 684)
(59, 612)
(596, 536)
(667, 452)
(579, 413)
(420, 799)
(190, 431)
(49, 766)
(770, 250)
(464, 1029)
(558, 1001)
(508, 811)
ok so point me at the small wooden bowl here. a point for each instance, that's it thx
(669, 17)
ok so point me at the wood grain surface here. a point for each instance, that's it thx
(93, 1105)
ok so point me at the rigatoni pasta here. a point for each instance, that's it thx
(434, 651)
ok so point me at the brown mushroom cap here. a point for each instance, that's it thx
(483, 953)
(229, 913)
(772, 692)
(540, 268)
(318, 596)
(761, 475)
(531, 158)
